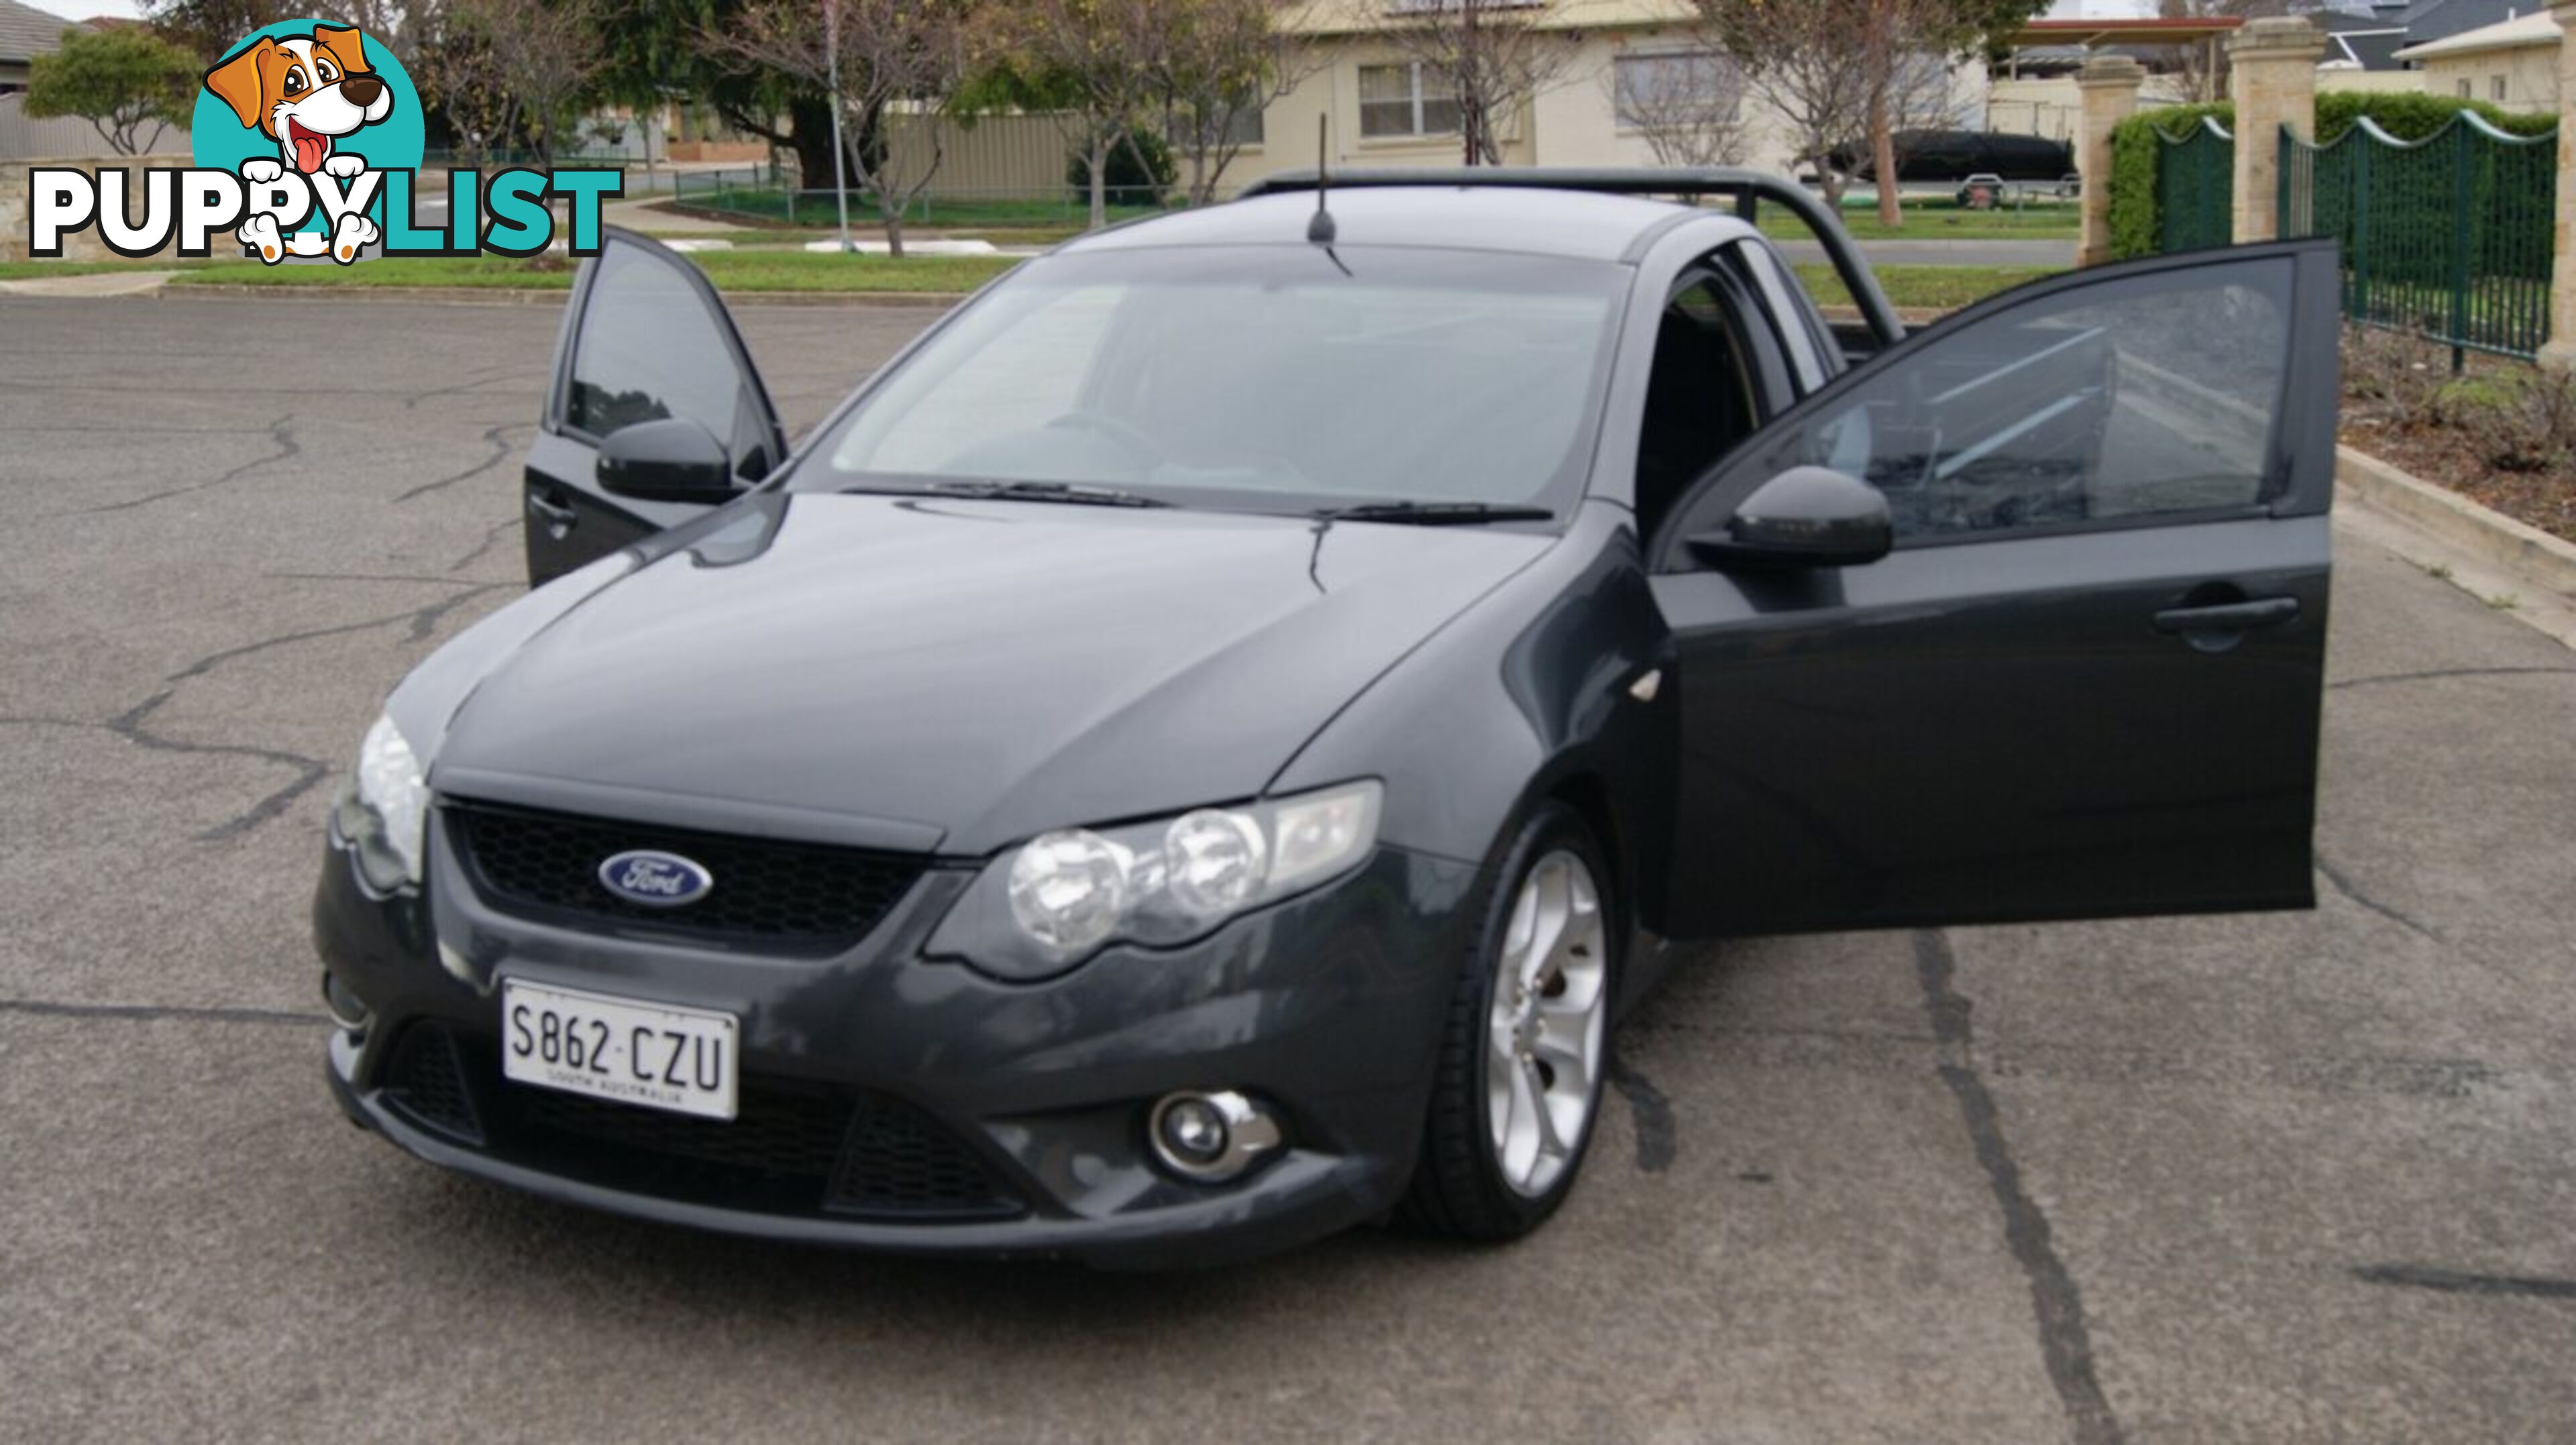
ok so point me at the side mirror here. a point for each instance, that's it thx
(1804, 517)
(673, 459)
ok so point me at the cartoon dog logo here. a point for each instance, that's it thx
(307, 93)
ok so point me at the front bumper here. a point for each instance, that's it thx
(1327, 1006)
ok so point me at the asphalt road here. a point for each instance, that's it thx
(2262, 1178)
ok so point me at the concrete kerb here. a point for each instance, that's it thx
(2530, 556)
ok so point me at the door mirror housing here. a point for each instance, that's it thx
(672, 459)
(1804, 517)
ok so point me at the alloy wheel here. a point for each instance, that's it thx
(1544, 1032)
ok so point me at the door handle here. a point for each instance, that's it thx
(2228, 616)
(558, 518)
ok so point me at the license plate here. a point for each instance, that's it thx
(655, 1055)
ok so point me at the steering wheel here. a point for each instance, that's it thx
(1142, 447)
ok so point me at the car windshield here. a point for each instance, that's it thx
(1284, 378)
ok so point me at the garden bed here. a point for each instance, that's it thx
(2501, 433)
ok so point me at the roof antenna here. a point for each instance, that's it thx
(1321, 229)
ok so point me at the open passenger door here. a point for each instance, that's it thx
(2084, 682)
(644, 340)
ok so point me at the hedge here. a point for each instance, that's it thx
(2134, 146)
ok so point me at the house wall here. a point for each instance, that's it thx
(1573, 121)
(2530, 74)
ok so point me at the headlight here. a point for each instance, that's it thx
(384, 808)
(1053, 901)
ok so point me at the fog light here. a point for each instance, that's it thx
(346, 1009)
(1209, 1138)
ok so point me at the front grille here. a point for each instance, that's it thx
(426, 1083)
(802, 897)
(791, 1149)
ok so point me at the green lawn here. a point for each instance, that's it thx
(1931, 288)
(1942, 221)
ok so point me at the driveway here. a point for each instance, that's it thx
(2265, 1178)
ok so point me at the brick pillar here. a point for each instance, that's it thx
(2272, 77)
(2559, 353)
(2110, 87)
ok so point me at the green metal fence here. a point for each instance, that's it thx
(2448, 237)
(2195, 187)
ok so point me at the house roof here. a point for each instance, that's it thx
(2522, 34)
(27, 32)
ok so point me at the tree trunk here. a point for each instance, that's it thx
(893, 228)
(1882, 161)
(1098, 164)
(1830, 183)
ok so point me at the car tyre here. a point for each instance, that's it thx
(1525, 1045)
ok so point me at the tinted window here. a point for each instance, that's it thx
(650, 349)
(1266, 377)
(2155, 394)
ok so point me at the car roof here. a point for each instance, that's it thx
(1576, 224)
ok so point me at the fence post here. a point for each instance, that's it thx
(2272, 77)
(2109, 84)
(2559, 352)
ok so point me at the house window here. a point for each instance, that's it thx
(1241, 126)
(1393, 103)
(2467, 91)
(1655, 91)
(2495, 88)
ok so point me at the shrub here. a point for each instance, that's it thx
(2134, 157)
(1140, 169)
(2521, 420)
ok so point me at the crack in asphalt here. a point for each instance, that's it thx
(1658, 1140)
(279, 432)
(485, 377)
(2353, 891)
(44, 1008)
(500, 529)
(2435, 674)
(501, 450)
(308, 771)
(129, 725)
(2066, 1345)
(2450, 1281)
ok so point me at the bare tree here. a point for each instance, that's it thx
(2201, 65)
(1687, 104)
(1492, 56)
(1090, 64)
(885, 54)
(1843, 71)
(1798, 61)
(536, 60)
(1216, 64)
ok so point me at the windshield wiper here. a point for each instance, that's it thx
(1433, 514)
(1076, 493)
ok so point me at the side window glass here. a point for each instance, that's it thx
(1782, 297)
(2147, 395)
(649, 348)
(1699, 400)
